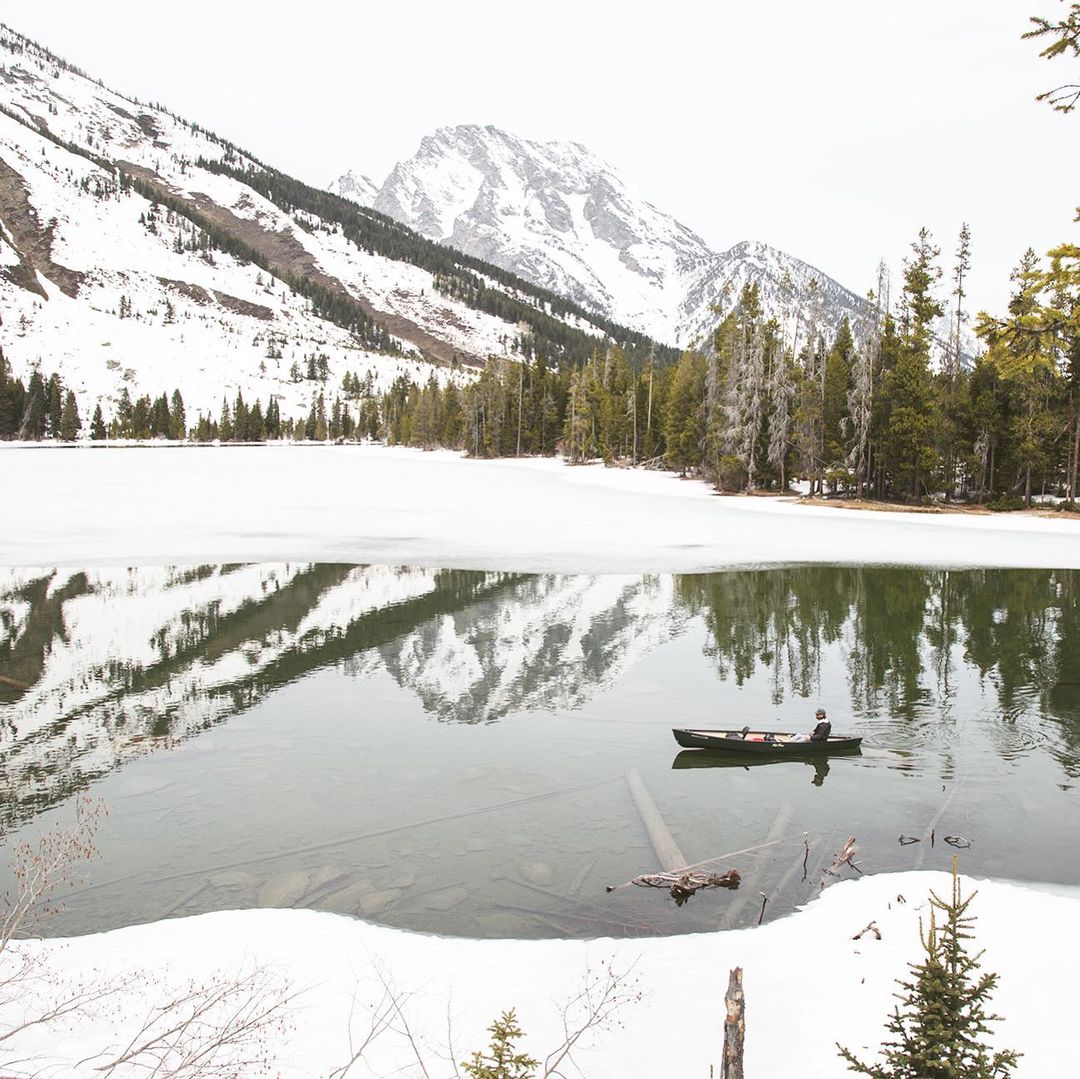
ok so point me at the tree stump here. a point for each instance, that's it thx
(734, 1027)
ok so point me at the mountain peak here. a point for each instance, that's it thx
(553, 212)
(352, 185)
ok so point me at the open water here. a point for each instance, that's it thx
(449, 751)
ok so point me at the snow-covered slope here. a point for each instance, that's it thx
(139, 251)
(561, 217)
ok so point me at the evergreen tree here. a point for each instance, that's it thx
(940, 1025)
(240, 419)
(33, 418)
(451, 418)
(273, 418)
(839, 364)
(1059, 315)
(256, 425)
(225, 424)
(1022, 349)
(909, 442)
(125, 412)
(684, 419)
(97, 424)
(502, 1061)
(950, 388)
(177, 417)
(54, 394)
(1064, 38)
(160, 419)
(140, 417)
(427, 424)
(70, 423)
(11, 401)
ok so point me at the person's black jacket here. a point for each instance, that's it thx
(821, 731)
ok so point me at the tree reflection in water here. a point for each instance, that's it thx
(102, 664)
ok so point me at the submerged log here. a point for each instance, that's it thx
(776, 833)
(734, 1027)
(667, 850)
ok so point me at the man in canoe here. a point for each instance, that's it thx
(819, 734)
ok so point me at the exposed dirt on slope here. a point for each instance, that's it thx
(186, 288)
(244, 307)
(32, 241)
(286, 254)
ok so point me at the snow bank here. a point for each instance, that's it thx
(93, 505)
(808, 983)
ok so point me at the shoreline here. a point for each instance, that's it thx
(806, 968)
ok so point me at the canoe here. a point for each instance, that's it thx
(778, 743)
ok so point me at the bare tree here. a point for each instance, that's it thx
(864, 379)
(202, 1030)
(594, 1008)
(781, 387)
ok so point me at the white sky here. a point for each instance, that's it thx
(832, 129)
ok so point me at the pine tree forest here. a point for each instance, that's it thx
(893, 408)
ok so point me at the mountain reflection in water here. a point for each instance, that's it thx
(117, 662)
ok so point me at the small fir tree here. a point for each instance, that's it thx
(501, 1061)
(97, 424)
(941, 1022)
(70, 423)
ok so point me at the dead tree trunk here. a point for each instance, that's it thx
(734, 1027)
(667, 850)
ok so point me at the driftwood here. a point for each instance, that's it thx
(696, 869)
(734, 1027)
(871, 928)
(669, 856)
(957, 841)
(845, 857)
(906, 839)
(685, 883)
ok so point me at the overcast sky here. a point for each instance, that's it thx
(832, 129)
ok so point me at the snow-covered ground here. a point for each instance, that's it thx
(808, 983)
(94, 506)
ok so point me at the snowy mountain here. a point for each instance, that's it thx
(358, 188)
(553, 213)
(561, 217)
(140, 252)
